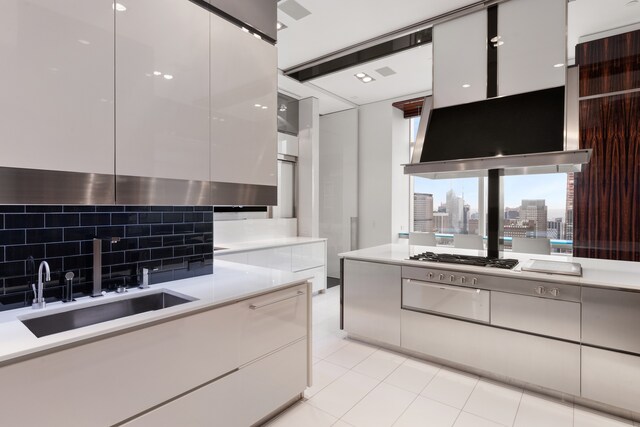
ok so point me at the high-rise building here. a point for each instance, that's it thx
(511, 213)
(441, 222)
(455, 209)
(535, 210)
(422, 212)
(520, 230)
(555, 229)
(568, 228)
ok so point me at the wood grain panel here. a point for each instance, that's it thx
(607, 192)
(609, 65)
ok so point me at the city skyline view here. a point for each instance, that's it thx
(516, 188)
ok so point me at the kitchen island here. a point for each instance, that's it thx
(567, 336)
(236, 352)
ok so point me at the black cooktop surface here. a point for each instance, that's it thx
(480, 261)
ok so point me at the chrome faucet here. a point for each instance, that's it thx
(38, 301)
(144, 283)
(97, 265)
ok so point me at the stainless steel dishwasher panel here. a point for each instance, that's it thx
(542, 316)
(610, 319)
(457, 301)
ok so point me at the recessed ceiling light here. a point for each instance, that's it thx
(258, 36)
(495, 39)
(246, 30)
(264, 107)
(367, 79)
(361, 75)
(168, 76)
(119, 7)
(157, 73)
(283, 107)
(466, 85)
(499, 43)
(257, 105)
(558, 65)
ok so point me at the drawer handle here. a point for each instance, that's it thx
(451, 288)
(257, 306)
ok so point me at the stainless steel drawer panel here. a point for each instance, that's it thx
(450, 300)
(536, 360)
(610, 319)
(538, 315)
(611, 377)
(451, 276)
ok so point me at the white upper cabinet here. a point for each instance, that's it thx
(162, 90)
(460, 60)
(243, 107)
(533, 53)
(56, 85)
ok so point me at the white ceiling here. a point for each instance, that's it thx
(336, 24)
(331, 27)
(413, 75)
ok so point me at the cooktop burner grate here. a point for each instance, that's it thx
(466, 259)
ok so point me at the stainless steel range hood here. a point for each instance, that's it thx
(450, 142)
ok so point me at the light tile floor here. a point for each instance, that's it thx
(359, 385)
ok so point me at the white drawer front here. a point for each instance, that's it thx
(271, 321)
(310, 255)
(239, 399)
(456, 301)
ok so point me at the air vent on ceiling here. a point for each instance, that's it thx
(385, 71)
(294, 9)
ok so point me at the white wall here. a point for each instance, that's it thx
(400, 183)
(338, 183)
(383, 190)
(309, 168)
(226, 232)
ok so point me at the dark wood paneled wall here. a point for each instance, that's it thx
(607, 192)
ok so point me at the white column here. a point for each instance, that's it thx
(308, 168)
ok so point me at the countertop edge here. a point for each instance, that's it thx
(265, 244)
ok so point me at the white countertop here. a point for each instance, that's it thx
(595, 272)
(231, 282)
(232, 248)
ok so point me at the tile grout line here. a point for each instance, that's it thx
(465, 402)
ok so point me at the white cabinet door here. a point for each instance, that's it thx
(243, 107)
(460, 60)
(56, 81)
(154, 364)
(309, 255)
(287, 144)
(527, 57)
(162, 90)
(372, 295)
(319, 280)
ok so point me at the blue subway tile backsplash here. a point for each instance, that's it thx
(175, 242)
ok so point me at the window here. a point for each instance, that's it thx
(539, 207)
(535, 206)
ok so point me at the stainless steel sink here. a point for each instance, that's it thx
(84, 316)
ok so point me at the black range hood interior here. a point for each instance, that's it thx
(521, 134)
(518, 124)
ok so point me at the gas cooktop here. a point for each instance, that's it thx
(480, 261)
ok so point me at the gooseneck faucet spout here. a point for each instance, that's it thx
(38, 302)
